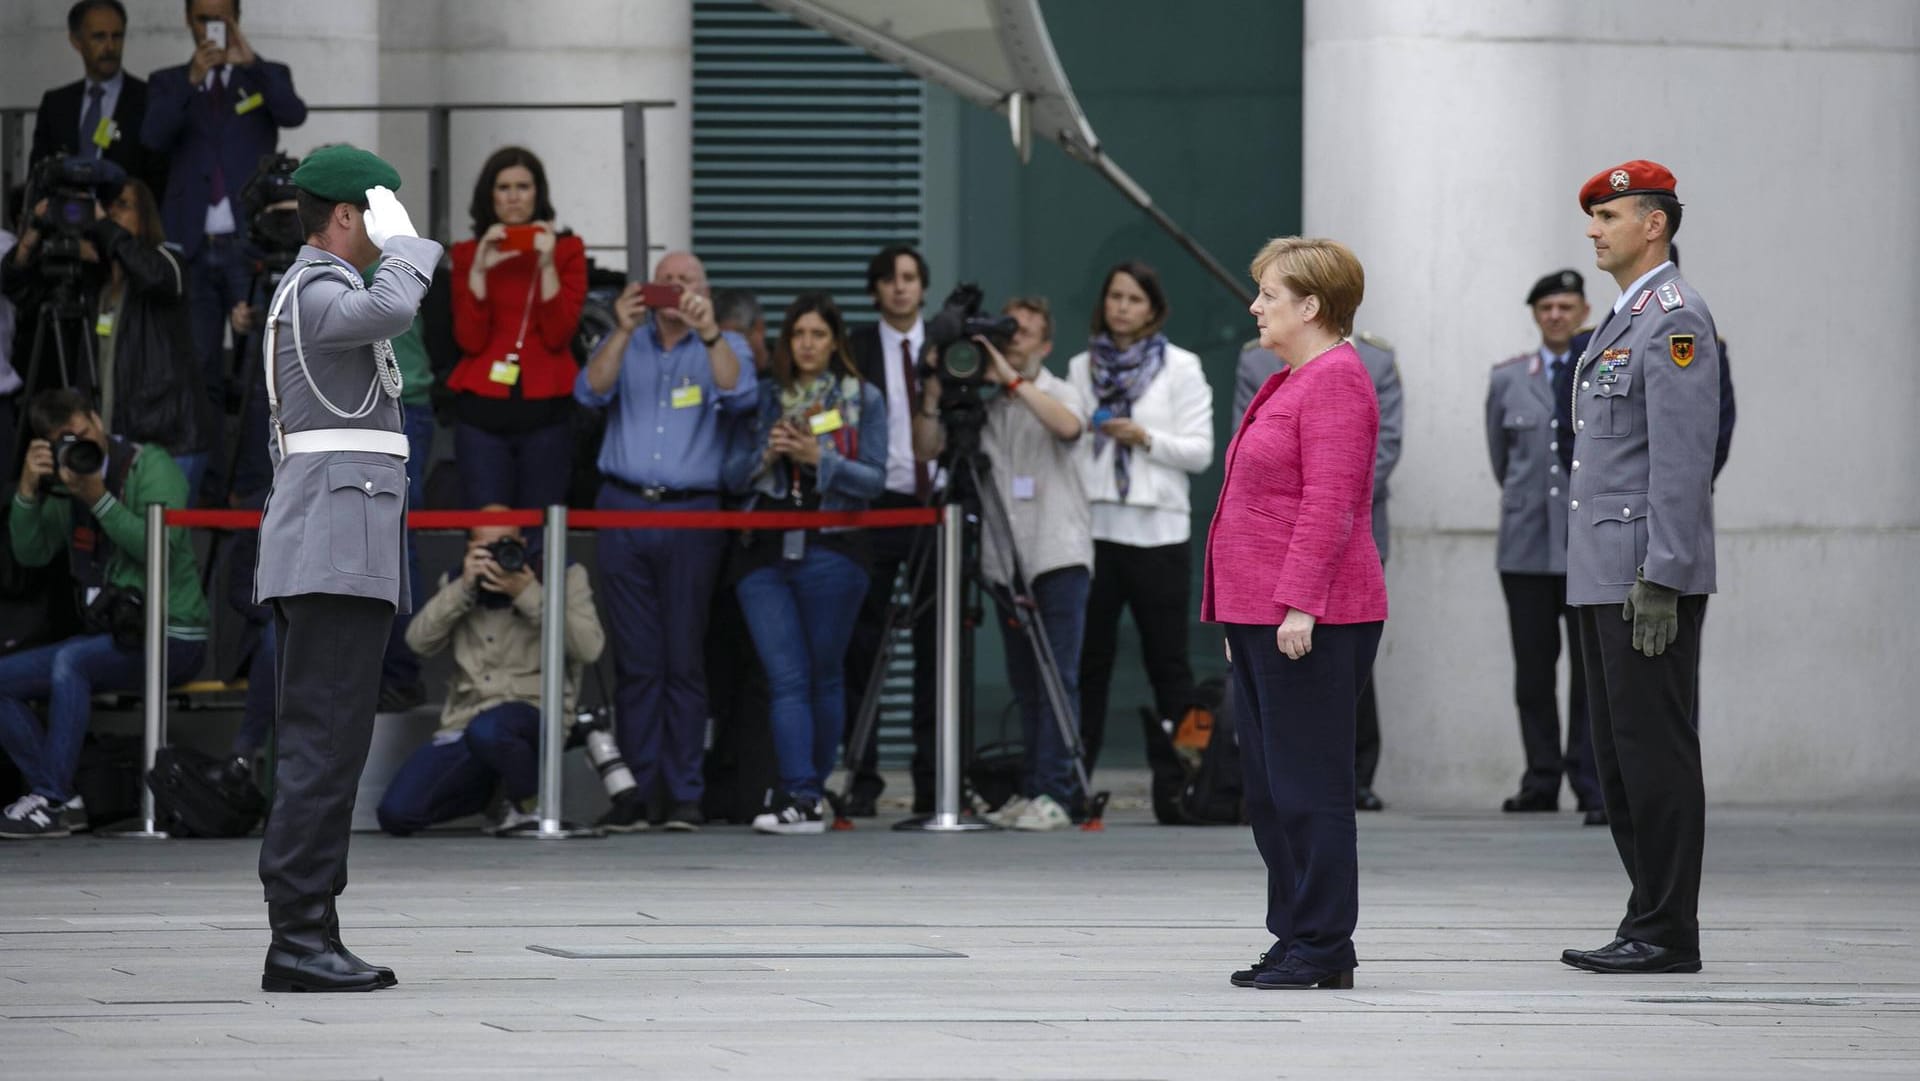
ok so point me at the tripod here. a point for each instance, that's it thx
(61, 312)
(978, 506)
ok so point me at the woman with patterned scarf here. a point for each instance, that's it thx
(819, 443)
(1152, 429)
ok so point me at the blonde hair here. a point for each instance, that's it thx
(1317, 267)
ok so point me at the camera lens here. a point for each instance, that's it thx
(962, 360)
(79, 455)
(510, 554)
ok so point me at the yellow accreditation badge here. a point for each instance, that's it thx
(825, 423)
(103, 326)
(686, 397)
(248, 104)
(105, 132)
(506, 371)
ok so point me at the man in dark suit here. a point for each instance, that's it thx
(886, 355)
(215, 117)
(100, 115)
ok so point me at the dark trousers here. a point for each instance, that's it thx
(524, 470)
(1296, 749)
(892, 549)
(329, 687)
(1366, 735)
(1646, 744)
(1536, 607)
(656, 593)
(1153, 584)
(453, 778)
(219, 276)
(1060, 597)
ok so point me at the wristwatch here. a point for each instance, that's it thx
(708, 342)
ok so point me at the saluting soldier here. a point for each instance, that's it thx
(1530, 441)
(332, 541)
(1645, 406)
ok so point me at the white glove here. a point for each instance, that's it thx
(386, 218)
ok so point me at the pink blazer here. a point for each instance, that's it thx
(1294, 528)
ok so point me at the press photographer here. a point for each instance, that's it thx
(1028, 433)
(108, 303)
(87, 493)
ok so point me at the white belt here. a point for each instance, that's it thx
(320, 440)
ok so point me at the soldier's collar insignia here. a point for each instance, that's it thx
(1680, 348)
(1640, 304)
(1670, 297)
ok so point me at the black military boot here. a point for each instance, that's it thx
(387, 978)
(304, 956)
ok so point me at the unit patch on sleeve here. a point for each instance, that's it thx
(1680, 348)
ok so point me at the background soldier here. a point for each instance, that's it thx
(332, 542)
(1646, 405)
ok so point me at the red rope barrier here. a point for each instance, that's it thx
(606, 519)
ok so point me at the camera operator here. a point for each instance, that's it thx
(490, 614)
(86, 492)
(134, 290)
(1030, 437)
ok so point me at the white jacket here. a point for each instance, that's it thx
(1177, 411)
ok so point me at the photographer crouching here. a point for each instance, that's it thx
(490, 614)
(1029, 436)
(87, 492)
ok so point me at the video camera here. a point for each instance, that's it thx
(951, 352)
(274, 229)
(72, 188)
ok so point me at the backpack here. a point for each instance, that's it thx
(194, 795)
(1196, 762)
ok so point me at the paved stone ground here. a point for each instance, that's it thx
(880, 955)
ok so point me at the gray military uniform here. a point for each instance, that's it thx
(335, 521)
(1526, 462)
(1644, 432)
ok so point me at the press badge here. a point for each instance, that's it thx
(105, 132)
(823, 423)
(103, 326)
(248, 104)
(506, 372)
(686, 397)
(1022, 487)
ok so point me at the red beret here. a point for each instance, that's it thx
(1632, 178)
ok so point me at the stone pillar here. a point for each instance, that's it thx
(1446, 142)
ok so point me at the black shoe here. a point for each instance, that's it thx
(860, 805)
(923, 803)
(685, 817)
(627, 815)
(1273, 958)
(1573, 957)
(385, 974)
(1365, 800)
(1595, 817)
(303, 956)
(1527, 802)
(1638, 958)
(1292, 975)
(400, 697)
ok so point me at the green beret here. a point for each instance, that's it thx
(343, 174)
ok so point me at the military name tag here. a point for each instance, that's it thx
(1606, 379)
(105, 132)
(248, 104)
(823, 423)
(505, 372)
(686, 397)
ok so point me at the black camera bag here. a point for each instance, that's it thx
(194, 795)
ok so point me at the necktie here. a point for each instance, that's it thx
(922, 484)
(90, 120)
(217, 178)
(1562, 370)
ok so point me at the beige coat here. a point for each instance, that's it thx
(496, 651)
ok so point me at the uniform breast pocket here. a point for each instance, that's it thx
(366, 511)
(1619, 523)
(1612, 405)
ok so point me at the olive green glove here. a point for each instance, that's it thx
(1654, 611)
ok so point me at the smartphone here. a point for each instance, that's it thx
(519, 238)
(655, 295)
(217, 32)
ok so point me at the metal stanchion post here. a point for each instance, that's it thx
(155, 691)
(946, 817)
(553, 682)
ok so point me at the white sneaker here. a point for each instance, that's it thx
(507, 817)
(791, 817)
(1042, 813)
(1006, 813)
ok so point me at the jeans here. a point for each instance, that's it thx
(193, 467)
(448, 779)
(1061, 596)
(66, 674)
(401, 667)
(523, 470)
(801, 614)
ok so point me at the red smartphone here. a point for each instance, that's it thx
(519, 238)
(655, 295)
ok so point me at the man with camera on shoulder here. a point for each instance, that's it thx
(490, 614)
(1029, 437)
(86, 492)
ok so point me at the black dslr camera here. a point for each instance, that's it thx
(72, 187)
(509, 553)
(274, 231)
(76, 455)
(951, 352)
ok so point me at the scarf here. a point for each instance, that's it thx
(824, 393)
(1120, 377)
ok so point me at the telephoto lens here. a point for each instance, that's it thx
(604, 753)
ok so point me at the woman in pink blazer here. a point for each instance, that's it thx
(1293, 574)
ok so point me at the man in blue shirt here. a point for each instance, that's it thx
(675, 385)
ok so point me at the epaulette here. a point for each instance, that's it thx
(1375, 340)
(1511, 361)
(1670, 297)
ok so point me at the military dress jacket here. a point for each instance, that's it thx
(335, 521)
(1526, 461)
(1646, 413)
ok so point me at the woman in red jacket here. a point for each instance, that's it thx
(1292, 572)
(517, 292)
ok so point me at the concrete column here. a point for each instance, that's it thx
(1446, 142)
